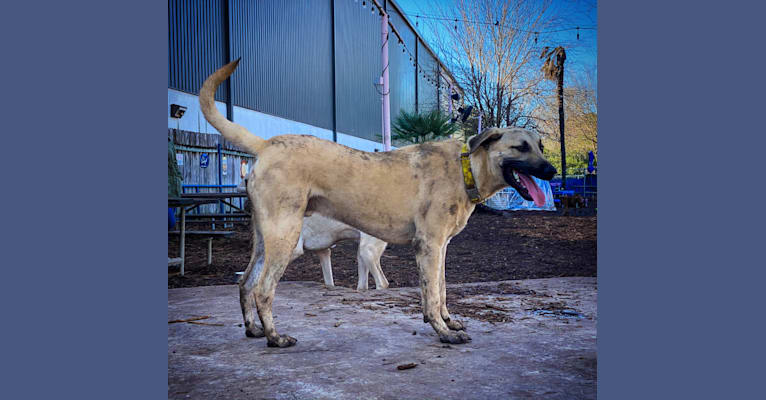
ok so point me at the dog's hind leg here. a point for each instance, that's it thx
(247, 284)
(363, 266)
(453, 324)
(429, 259)
(326, 262)
(280, 234)
(371, 249)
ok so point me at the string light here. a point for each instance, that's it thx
(493, 23)
(418, 69)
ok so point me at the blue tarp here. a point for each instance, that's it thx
(509, 199)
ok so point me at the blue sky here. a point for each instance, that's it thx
(582, 54)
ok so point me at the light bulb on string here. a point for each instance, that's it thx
(364, 4)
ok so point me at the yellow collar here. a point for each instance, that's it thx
(470, 184)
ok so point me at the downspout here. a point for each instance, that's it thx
(386, 115)
(229, 96)
(334, 102)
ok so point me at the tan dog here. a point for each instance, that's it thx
(415, 195)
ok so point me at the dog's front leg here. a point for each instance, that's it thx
(429, 258)
(453, 324)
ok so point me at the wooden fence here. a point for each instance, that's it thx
(191, 148)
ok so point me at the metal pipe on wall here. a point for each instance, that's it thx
(386, 115)
(334, 86)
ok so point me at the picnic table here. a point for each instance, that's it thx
(185, 204)
(223, 196)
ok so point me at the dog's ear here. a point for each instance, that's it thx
(485, 138)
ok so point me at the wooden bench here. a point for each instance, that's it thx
(232, 218)
(207, 234)
(229, 215)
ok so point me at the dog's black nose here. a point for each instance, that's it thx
(548, 172)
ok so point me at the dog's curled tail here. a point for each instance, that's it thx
(231, 131)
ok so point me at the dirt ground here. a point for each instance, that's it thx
(531, 339)
(492, 247)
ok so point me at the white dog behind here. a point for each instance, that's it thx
(319, 234)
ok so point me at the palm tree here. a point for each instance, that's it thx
(419, 128)
(553, 69)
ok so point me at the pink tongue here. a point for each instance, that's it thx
(533, 189)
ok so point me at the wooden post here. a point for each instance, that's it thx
(209, 250)
(183, 236)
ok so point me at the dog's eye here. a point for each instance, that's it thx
(523, 148)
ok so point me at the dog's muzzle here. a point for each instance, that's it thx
(518, 176)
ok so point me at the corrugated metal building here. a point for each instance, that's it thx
(308, 67)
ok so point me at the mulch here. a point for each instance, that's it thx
(492, 247)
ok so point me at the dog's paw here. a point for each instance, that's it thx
(454, 337)
(454, 324)
(254, 333)
(282, 341)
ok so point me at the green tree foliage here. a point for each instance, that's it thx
(420, 128)
(577, 163)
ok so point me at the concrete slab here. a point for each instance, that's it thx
(531, 339)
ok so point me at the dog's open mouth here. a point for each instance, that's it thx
(525, 185)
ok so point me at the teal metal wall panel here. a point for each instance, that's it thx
(357, 52)
(401, 71)
(287, 59)
(286, 67)
(427, 98)
(197, 43)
